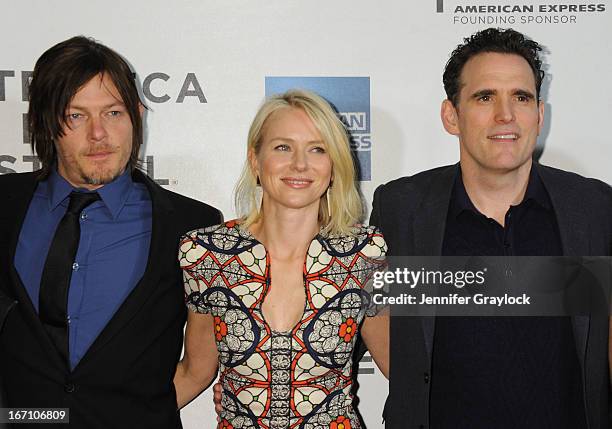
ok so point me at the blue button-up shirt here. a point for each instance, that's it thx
(110, 260)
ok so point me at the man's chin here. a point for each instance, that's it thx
(507, 167)
(100, 178)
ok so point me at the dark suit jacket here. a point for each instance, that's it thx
(412, 211)
(125, 378)
(6, 305)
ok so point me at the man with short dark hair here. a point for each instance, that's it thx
(479, 372)
(88, 250)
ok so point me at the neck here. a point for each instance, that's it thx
(493, 192)
(286, 233)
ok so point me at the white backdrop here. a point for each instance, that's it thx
(226, 50)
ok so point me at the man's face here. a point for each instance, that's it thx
(497, 117)
(97, 140)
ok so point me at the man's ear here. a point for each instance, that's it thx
(450, 118)
(141, 109)
(540, 116)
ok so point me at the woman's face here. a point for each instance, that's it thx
(293, 166)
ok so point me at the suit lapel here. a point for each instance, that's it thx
(150, 281)
(569, 211)
(430, 217)
(19, 198)
(574, 232)
(429, 226)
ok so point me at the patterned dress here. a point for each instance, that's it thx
(300, 378)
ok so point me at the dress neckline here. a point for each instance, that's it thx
(246, 233)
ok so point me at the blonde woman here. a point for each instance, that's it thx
(278, 296)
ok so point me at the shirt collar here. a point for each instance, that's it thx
(58, 189)
(113, 194)
(460, 200)
(536, 190)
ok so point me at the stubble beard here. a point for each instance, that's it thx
(102, 176)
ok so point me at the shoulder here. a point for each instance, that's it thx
(364, 239)
(593, 194)
(189, 205)
(182, 213)
(12, 180)
(185, 212)
(570, 181)
(418, 182)
(219, 231)
(224, 238)
(375, 247)
(397, 202)
(409, 191)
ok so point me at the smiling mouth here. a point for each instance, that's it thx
(504, 137)
(297, 183)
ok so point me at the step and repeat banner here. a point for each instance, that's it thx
(205, 66)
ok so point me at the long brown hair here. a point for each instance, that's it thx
(58, 75)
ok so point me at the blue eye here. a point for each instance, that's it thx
(74, 120)
(282, 147)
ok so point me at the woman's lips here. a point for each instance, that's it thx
(296, 183)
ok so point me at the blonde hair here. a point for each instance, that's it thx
(345, 202)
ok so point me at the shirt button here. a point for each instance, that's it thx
(69, 388)
(75, 266)
(83, 216)
(426, 377)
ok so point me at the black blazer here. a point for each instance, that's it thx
(125, 378)
(412, 211)
(6, 305)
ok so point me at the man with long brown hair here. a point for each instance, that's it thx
(88, 251)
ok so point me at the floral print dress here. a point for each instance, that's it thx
(300, 378)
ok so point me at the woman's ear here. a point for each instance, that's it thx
(253, 164)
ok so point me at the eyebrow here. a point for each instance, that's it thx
(524, 93)
(287, 139)
(108, 106)
(484, 92)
